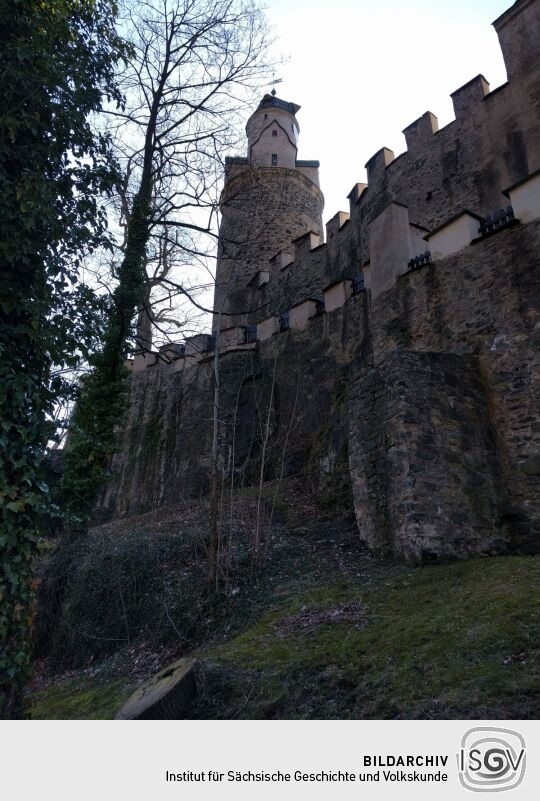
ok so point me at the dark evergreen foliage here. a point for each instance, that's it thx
(57, 61)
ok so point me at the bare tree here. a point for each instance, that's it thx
(196, 66)
(213, 542)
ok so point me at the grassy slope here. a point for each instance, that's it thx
(327, 631)
(79, 699)
(453, 640)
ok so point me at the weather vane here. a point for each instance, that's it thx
(273, 83)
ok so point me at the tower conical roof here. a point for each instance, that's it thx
(271, 101)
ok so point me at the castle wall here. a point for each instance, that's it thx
(166, 441)
(424, 466)
(483, 302)
(427, 395)
(167, 408)
(413, 397)
(493, 143)
(300, 374)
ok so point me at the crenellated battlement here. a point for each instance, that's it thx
(396, 358)
(397, 248)
(420, 130)
(518, 29)
(493, 143)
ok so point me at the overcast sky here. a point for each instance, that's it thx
(362, 70)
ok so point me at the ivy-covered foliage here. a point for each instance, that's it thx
(57, 60)
(103, 394)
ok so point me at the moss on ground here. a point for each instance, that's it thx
(459, 640)
(324, 630)
(79, 699)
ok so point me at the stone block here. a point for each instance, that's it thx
(267, 328)
(467, 97)
(378, 163)
(144, 360)
(260, 279)
(525, 198)
(420, 130)
(391, 246)
(303, 244)
(300, 314)
(333, 225)
(453, 235)
(228, 337)
(281, 260)
(172, 350)
(167, 695)
(356, 193)
(336, 295)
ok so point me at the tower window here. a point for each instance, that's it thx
(274, 133)
(274, 159)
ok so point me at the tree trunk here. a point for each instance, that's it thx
(213, 544)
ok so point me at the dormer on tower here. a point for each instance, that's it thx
(272, 133)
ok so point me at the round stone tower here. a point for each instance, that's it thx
(269, 199)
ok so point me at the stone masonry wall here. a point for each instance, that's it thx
(493, 143)
(166, 440)
(424, 465)
(422, 400)
(302, 376)
(483, 301)
(263, 211)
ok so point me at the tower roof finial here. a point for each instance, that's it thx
(273, 83)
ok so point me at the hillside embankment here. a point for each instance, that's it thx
(322, 630)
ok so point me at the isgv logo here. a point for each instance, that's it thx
(491, 759)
